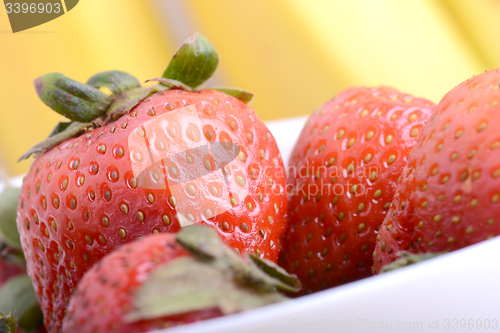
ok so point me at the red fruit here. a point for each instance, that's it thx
(9, 270)
(155, 283)
(342, 177)
(449, 195)
(106, 293)
(81, 202)
(130, 177)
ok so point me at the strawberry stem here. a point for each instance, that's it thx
(194, 62)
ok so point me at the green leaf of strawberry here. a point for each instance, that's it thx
(287, 282)
(8, 211)
(186, 285)
(154, 281)
(7, 323)
(126, 101)
(407, 259)
(205, 244)
(18, 296)
(171, 84)
(70, 131)
(74, 100)
(60, 127)
(116, 81)
(193, 63)
(242, 95)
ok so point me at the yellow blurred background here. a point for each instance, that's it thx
(292, 54)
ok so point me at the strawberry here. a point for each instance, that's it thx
(342, 178)
(9, 269)
(156, 283)
(150, 155)
(449, 196)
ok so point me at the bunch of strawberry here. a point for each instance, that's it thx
(384, 179)
(374, 174)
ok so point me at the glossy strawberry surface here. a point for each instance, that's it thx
(342, 178)
(106, 293)
(82, 198)
(449, 195)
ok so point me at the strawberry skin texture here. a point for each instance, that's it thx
(80, 201)
(105, 294)
(355, 143)
(449, 194)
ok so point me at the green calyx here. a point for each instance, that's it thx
(72, 99)
(215, 277)
(242, 95)
(56, 137)
(192, 65)
(194, 62)
(8, 213)
(407, 259)
(7, 323)
(10, 241)
(116, 81)
(18, 297)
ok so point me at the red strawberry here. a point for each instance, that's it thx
(204, 154)
(342, 177)
(449, 195)
(157, 269)
(9, 269)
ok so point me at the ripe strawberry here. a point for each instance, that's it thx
(161, 272)
(204, 154)
(106, 293)
(9, 269)
(449, 194)
(342, 177)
